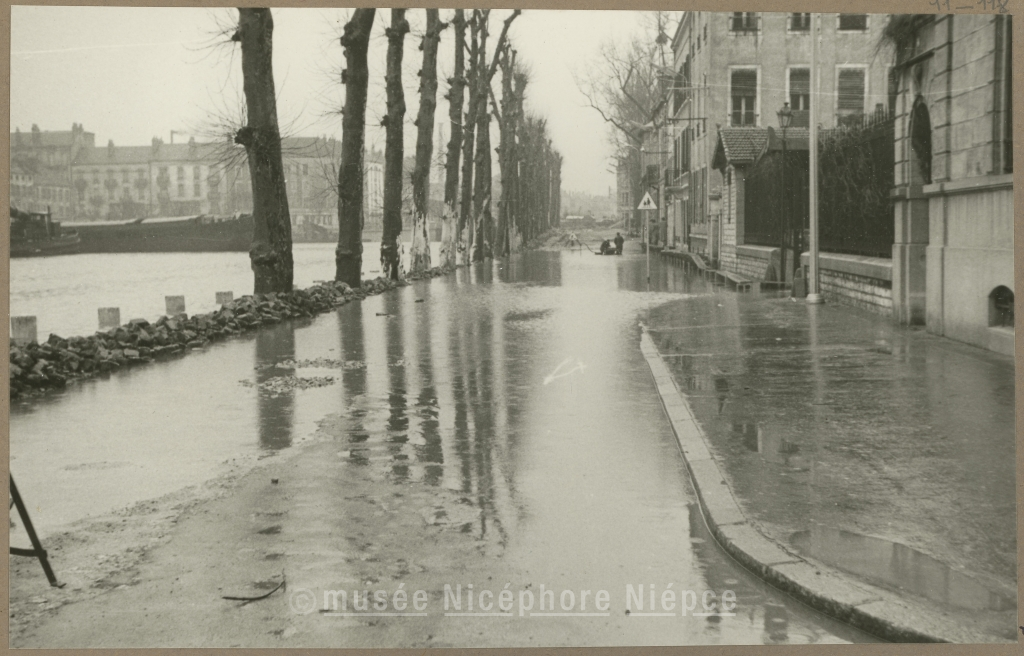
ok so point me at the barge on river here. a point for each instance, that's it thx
(185, 234)
(35, 234)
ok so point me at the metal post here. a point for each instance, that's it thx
(37, 550)
(647, 228)
(813, 296)
(784, 228)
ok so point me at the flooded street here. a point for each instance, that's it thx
(496, 426)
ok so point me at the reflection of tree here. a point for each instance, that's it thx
(430, 452)
(274, 344)
(398, 407)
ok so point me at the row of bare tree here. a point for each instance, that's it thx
(530, 167)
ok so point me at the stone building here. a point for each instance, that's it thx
(953, 256)
(41, 168)
(183, 179)
(735, 71)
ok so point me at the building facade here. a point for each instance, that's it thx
(183, 179)
(953, 256)
(737, 70)
(41, 169)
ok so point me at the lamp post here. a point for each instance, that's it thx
(813, 296)
(785, 118)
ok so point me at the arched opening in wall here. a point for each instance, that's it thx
(1000, 307)
(921, 143)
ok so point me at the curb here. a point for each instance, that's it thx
(824, 589)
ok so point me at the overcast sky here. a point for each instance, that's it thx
(130, 74)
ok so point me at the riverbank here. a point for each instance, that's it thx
(36, 368)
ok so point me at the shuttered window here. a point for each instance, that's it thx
(800, 96)
(850, 101)
(800, 22)
(744, 22)
(853, 22)
(744, 97)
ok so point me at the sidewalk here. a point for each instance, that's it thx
(884, 453)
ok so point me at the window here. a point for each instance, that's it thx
(305, 169)
(1000, 307)
(124, 175)
(893, 90)
(181, 189)
(196, 191)
(800, 96)
(744, 21)
(744, 96)
(799, 22)
(853, 22)
(705, 32)
(850, 95)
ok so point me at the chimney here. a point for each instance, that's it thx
(110, 149)
(17, 137)
(36, 136)
(157, 142)
(192, 147)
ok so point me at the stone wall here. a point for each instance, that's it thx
(754, 262)
(855, 280)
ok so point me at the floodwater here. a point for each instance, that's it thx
(519, 385)
(65, 292)
(896, 565)
(887, 452)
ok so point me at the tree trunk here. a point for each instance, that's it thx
(349, 254)
(482, 183)
(515, 191)
(468, 140)
(271, 252)
(420, 251)
(482, 188)
(451, 179)
(390, 257)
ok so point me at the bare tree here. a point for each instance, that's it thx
(356, 77)
(482, 189)
(420, 250)
(509, 116)
(457, 86)
(479, 17)
(271, 252)
(390, 257)
(626, 87)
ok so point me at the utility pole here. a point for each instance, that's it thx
(813, 296)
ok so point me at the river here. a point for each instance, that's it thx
(65, 292)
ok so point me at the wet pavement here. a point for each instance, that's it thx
(506, 410)
(887, 453)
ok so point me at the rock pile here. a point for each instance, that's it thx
(39, 367)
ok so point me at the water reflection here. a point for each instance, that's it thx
(898, 566)
(275, 407)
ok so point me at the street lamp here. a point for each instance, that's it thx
(785, 118)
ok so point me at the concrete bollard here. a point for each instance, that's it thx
(23, 330)
(223, 298)
(175, 305)
(109, 318)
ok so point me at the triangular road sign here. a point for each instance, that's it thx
(647, 203)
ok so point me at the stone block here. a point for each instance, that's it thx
(23, 330)
(751, 542)
(223, 298)
(109, 317)
(825, 583)
(175, 305)
(715, 493)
